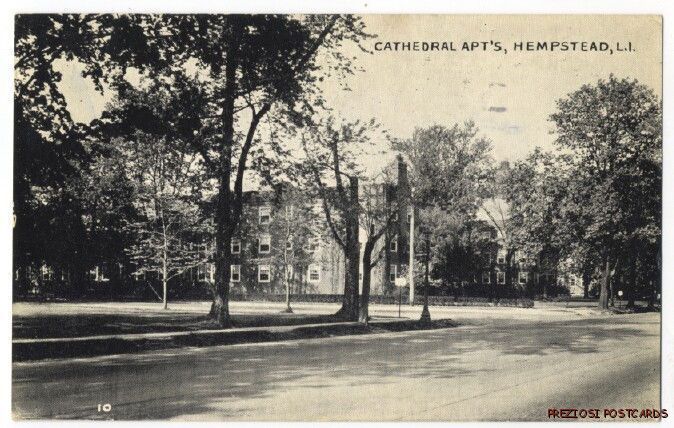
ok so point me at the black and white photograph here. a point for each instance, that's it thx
(337, 217)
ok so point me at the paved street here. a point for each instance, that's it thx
(501, 364)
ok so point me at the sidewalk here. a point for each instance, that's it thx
(71, 347)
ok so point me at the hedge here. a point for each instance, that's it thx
(388, 300)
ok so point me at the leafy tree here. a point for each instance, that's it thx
(49, 158)
(144, 130)
(457, 248)
(536, 192)
(449, 166)
(449, 174)
(250, 65)
(105, 193)
(612, 131)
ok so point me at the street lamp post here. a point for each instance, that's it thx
(425, 313)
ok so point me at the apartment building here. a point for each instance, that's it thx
(283, 238)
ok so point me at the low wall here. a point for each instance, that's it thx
(387, 300)
(308, 298)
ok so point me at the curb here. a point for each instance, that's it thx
(51, 348)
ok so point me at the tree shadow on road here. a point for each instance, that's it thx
(222, 381)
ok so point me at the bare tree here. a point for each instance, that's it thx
(332, 151)
(378, 213)
(167, 194)
(296, 225)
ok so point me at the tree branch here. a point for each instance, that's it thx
(245, 149)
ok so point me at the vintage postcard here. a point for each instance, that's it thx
(257, 217)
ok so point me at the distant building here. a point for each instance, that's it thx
(542, 274)
(317, 262)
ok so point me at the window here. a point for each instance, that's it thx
(393, 274)
(500, 277)
(501, 259)
(523, 277)
(289, 245)
(235, 246)
(98, 274)
(235, 273)
(201, 273)
(264, 215)
(393, 246)
(263, 273)
(314, 273)
(47, 273)
(312, 245)
(264, 244)
(486, 278)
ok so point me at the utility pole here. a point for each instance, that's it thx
(410, 270)
(425, 313)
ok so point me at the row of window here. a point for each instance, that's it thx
(264, 214)
(97, 274)
(522, 277)
(264, 245)
(264, 273)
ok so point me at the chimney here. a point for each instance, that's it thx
(403, 183)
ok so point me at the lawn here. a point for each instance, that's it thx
(51, 320)
(67, 330)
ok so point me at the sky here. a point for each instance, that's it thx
(509, 95)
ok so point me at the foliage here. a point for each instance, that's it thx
(450, 171)
(449, 166)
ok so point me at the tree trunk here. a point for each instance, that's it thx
(367, 275)
(286, 280)
(164, 282)
(631, 284)
(604, 290)
(225, 223)
(425, 319)
(287, 283)
(349, 309)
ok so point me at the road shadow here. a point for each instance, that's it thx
(221, 380)
(78, 325)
